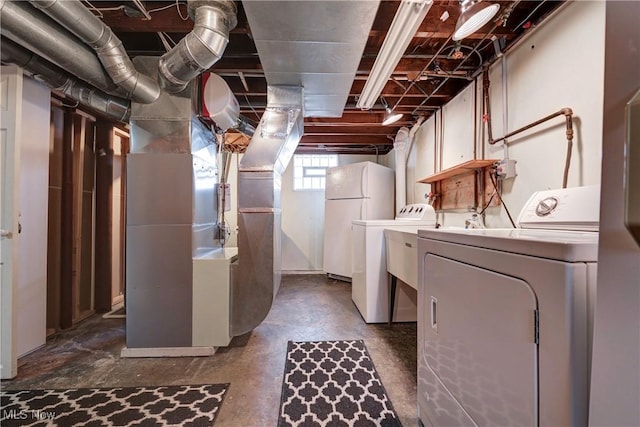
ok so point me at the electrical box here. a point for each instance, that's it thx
(506, 169)
(224, 196)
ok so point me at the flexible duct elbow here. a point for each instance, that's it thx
(202, 47)
(75, 17)
(139, 87)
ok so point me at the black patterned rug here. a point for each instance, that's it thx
(333, 383)
(189, 405)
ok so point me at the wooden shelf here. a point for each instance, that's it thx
(465, 186)
(460, 169)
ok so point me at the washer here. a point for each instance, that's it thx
(505, 317)
(369, 284)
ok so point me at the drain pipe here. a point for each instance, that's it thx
(568, 113)
(202, 47)
(58, 79)
(75, 17)
(400, 143)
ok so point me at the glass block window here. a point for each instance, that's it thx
(309, 170)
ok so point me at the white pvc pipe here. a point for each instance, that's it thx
(400, 146)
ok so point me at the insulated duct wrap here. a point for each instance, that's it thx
(60, 80)
(33, 30)
(256, 274)
(202, 47)
(75, 17)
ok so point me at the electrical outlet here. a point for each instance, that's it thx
(506, 169)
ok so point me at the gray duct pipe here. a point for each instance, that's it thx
(75, 17)
(245, 126)
(256, 274)
(58, 79)
(202, 47)
(28, 27)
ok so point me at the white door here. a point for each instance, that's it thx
(478, 339)
(31, 292)
(10, 113)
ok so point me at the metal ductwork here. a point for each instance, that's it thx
(75, 17)
(60, 80)
(312, 45)
(172, 178)
(256, 274)
(317, 45)
(33, 30)
(202, 47)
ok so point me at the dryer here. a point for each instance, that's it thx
(370, 282)
(505, 317)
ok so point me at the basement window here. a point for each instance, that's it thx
(310, 170)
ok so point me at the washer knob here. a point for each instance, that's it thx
(546, 206)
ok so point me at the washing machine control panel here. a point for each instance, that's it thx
(576, 208)
(416, 211)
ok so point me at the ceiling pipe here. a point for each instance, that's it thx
(202, 47)
(487, 104)
(76, 18)
(58, 79)
(33, 30)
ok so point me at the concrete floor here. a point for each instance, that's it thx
(307, 308)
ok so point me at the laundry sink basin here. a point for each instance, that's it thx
(402, 255)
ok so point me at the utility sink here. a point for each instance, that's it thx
(402, 254)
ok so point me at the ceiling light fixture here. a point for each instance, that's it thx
(389, 116)
(474, 14)
(403, 27)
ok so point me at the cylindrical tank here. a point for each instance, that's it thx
(218, 101)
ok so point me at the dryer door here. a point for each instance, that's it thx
(477, 342)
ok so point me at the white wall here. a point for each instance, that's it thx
(548, 70)
(303, 221)
(34, 198)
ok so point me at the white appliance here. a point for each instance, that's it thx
(505, 317)
(357, 191)
(370, 283)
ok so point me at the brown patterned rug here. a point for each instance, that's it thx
(189, 405)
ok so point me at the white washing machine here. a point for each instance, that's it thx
(505, 317)
(369, 283)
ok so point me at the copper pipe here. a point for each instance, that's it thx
(564, 111)
(475, 119)
(569, 121)
(487, 102)
(568, 113)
